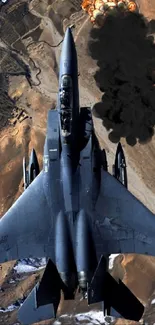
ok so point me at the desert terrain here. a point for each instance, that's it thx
(116, 71)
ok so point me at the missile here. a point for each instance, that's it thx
(25, 174)
(33, 169)
(33, 166)
(119, 167)
(104, 160)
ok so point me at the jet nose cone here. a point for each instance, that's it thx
(33, 156)
(68, 35)
(119, 148)
(120, 153)
(68, 59)
(34, 161)
(68, 42)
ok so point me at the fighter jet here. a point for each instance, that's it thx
(33, 169)
(75, 213)
(119, 168)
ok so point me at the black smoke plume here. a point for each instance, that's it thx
(125, 54)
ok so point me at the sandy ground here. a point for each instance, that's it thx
(28, 74)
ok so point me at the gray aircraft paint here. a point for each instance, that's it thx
(75, 199)
(33, 169)
(119, 167)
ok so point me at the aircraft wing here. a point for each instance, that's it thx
(122, 224)
(26, 230)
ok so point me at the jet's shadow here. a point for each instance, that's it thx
(125, 56)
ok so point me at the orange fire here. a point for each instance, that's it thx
(102, 7)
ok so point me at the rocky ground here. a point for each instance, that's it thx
(113, 61)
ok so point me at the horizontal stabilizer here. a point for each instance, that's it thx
(43, 301)
(104, 287)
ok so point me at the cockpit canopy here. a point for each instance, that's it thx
(66, 81)
(66, 104)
